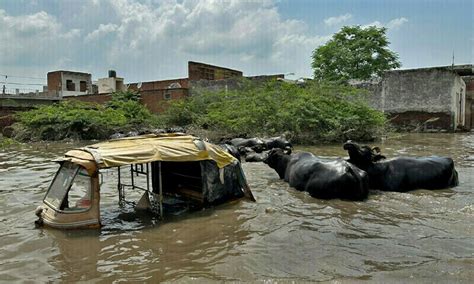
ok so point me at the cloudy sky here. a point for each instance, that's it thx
(149, 39)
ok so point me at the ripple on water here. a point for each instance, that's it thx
(285, 235)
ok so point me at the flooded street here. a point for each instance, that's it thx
(427, 236)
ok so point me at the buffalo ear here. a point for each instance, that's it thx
(287, 151)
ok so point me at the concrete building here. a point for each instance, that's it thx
(64, 83)
(423, 99)
(110, 84)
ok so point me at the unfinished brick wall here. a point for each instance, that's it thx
(160, 85)
(54, 82)
(200, 71)
(99, 99)
(158, 100)
(154, 100)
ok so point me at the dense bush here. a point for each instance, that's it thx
(314, 112)
(78, 120)
(310, 113)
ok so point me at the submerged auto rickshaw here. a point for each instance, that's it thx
(179, 165)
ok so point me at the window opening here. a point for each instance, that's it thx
(79, 195)
(61, 182)
(70, 189)
(136, 171)
(180, 180)
(82, 86)
(70, 86)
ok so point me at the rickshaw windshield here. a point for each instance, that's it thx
(59, 187)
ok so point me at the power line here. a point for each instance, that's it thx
(16, 83)
(23, 77)
(10, 90)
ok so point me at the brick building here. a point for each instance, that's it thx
(201, 71)
(156, 94)
(64, 83)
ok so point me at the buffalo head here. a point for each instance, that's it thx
(277, 159)
(274, 154)
(362, 156)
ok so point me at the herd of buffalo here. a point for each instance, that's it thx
(349, 179)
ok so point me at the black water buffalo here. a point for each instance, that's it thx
(277, 142)
(321, 179)
(231, 150)
(117, 135)
(256, 157)
(175, 130)
(256, 144)
(402, 173)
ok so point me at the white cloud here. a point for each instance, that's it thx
(71, 34)
(150, 40)
(396, 23)
(33, 38)
(332, 21)
(393, 24)
(374, 24)
(250, 33)
(101, 31)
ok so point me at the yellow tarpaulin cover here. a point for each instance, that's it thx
(150, 148)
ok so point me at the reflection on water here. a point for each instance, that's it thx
(287, 235)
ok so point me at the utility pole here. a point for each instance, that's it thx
(3, 89)
(452, 66)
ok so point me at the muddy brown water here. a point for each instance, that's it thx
(424, 236)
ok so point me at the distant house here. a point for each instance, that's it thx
(155, 94)
(426, 98)
(64, 83)
(110, 84)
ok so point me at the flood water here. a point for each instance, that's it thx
(422, 236)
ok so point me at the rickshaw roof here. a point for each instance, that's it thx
(151, 148)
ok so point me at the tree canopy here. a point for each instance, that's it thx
(354, 53)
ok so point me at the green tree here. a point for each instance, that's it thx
(354, 53)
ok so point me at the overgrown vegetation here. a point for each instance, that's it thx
(310, 113)
(78, 120)
(6, 142)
